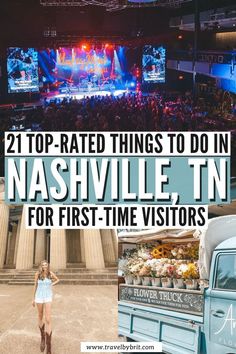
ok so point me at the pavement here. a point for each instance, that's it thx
(79, 313)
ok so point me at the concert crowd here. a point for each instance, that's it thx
(130, 112)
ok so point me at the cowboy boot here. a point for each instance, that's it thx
(48, 341)
(42, 344)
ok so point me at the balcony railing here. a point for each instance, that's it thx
(217, 57)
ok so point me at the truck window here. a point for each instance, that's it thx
(226, 272)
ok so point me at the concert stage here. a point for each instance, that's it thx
(82, 94)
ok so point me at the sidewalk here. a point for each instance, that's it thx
(79, 313)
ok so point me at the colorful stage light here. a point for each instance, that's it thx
(137, 74)
(84, 46)
(138, 87)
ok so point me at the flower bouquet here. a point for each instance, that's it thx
(187, 251)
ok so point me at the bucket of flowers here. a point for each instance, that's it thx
(125, 264)
(191, 275)
(178, 280)
(167, 273)
(124, 269)
(135, 267)
(145, 274)
(155, 271)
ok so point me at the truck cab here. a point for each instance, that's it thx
(220, 300)
(199, 322)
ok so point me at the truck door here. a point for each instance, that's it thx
(220, 310)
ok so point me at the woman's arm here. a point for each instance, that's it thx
(55, 278)
(35, 287)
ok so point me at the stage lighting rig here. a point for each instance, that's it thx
(115, 5)
(62, 2)
(172, 3)
(49, 32)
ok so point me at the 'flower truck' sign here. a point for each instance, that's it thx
(189, 301)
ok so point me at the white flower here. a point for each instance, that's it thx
(182, 268)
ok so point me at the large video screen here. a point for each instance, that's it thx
(22, 70)
(154, 64)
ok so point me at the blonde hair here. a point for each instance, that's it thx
(48, 274)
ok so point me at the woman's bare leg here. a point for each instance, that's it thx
(40, 314)
(48, 317)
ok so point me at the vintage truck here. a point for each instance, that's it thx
(189, 321)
